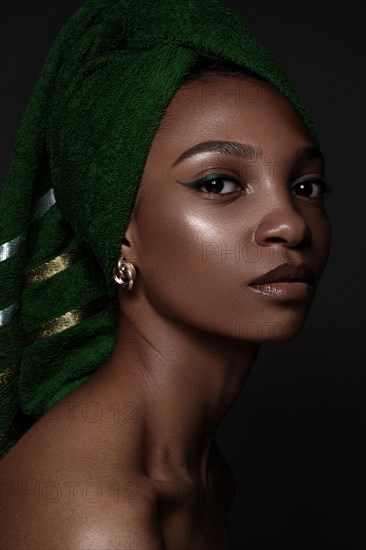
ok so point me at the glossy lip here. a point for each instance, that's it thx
(299, 290)
(287, 273)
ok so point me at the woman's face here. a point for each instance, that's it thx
(197, 252)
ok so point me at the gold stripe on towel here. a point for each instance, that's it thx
(68, 320)
(61, 262)
(8, 375)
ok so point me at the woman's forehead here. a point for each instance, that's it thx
(229, 107)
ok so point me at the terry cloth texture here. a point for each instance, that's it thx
(78, 158)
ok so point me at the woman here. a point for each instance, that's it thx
(216, 202)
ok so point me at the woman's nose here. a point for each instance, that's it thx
(283, 225)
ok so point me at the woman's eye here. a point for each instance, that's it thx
(312, 188)
(220, 185)
(217, 184)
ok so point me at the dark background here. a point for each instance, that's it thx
(295, 436)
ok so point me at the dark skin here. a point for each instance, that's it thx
(188, 334)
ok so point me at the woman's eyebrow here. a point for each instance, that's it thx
(244, 150)
(224, 147)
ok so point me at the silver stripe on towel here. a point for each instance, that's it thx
(43, 204)
(41, 207)
(11, 247)
(7, 314)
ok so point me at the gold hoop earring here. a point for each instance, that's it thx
(124, 273)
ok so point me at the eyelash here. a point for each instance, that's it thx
(326, 187)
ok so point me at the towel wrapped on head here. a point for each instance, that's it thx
(71, 186)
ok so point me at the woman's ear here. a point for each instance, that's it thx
(129, 242)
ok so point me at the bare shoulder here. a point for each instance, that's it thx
(77, 511)
(109, 528)
(61, 496)
(139, 528)
(79, 528)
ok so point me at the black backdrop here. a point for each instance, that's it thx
(295, 436)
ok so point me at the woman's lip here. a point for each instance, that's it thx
(284, 272)
(298, 290)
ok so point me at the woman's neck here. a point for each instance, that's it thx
(173, 385)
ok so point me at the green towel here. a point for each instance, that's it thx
(77, 162)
